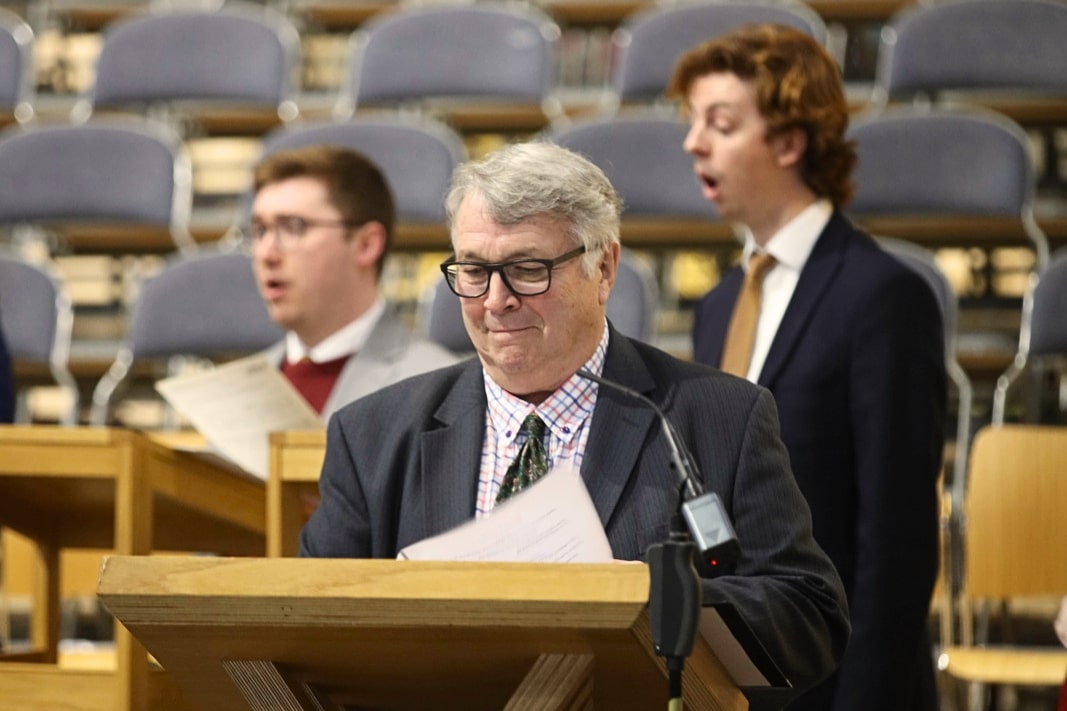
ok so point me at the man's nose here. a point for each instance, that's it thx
(694, 143)
(498, 297)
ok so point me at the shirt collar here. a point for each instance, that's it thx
(564, 411)
(791, 245)
(344, 342)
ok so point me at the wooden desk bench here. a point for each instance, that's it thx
(118, 490)
(293, 487)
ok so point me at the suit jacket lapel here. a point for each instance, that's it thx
(815, 278)
(619, 428)
(451, 454)
(714, 318)
(368, 369)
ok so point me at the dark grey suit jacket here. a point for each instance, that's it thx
(402, 464)
(7, 384)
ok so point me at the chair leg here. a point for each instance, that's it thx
(977, 696)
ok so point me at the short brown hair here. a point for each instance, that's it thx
(355, 184)
(798, 85)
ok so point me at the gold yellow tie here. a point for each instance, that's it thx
(737, 351)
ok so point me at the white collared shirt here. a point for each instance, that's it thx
(790, 246)
(350, 339)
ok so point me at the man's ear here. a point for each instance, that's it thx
(609, 269)
(368, 244)
(789, 147)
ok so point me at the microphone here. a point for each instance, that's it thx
(705, 516)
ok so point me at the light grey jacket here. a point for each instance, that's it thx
(391, 354)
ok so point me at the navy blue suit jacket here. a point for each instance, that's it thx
(402, 464)
(7, 383)
(857, 371)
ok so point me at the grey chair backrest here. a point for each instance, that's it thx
(16, 66)
(631, 307)
(915, 161)
(204, 305)
(1048, 321)
(650, 41)
(482, 52)
(37, 318)
(1042, 330)
(238, 55)
(440, 318)
(1015, 45)
(417, 156)
(634, 299)
(118, 172)
(643, 158)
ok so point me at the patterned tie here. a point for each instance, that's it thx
(737, 352)
(530, 464)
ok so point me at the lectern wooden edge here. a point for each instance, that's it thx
(329, 635)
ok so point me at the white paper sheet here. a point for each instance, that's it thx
(738, 648)
(553, 521)
(728, 650)
(237, 405)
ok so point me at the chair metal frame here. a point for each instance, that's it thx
(16, 58)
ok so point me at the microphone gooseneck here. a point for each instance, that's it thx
(704, 514)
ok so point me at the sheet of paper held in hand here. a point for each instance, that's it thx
(237, 405)
(553, 521)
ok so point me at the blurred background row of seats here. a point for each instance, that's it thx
(223, 76)
(247, 75)
(1004, 54)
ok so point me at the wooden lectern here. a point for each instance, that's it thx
(343, 635)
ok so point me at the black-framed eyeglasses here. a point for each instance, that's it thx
(289, 229)
(524, 277)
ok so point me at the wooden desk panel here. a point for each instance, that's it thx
(293, 487)
(123, 491)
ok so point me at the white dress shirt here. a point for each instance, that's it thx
(790, 247)
(350, 339)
